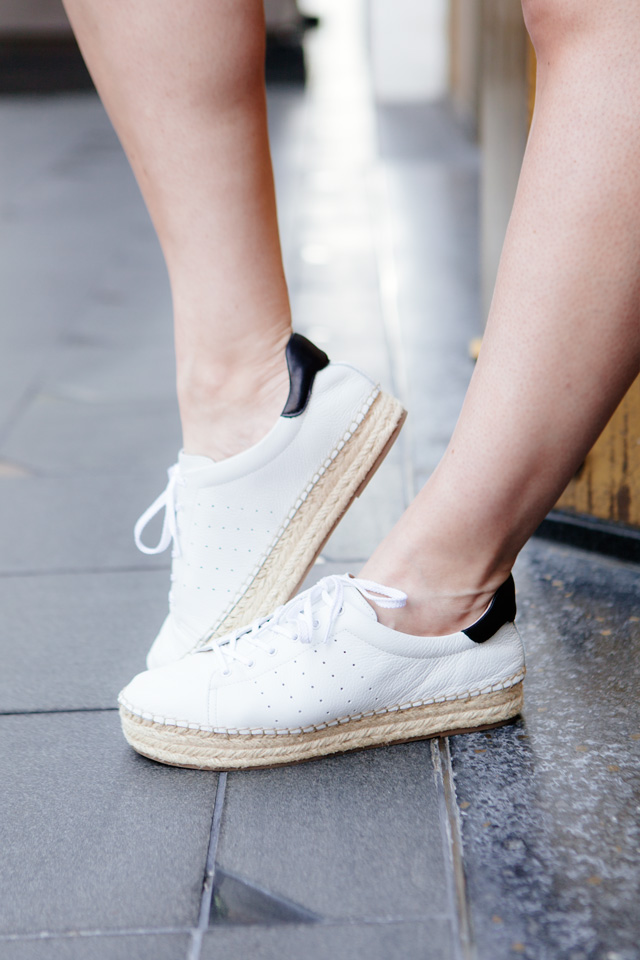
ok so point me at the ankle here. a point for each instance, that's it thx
(446, 592)
(228, 407)
(432, 609)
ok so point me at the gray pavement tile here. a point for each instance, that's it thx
(349, 329)
(63, 154)
(37, 297)
(20, 374)
(128, 302)
(97, 373)
(128, 308)
(427, 132)
(327, 205)
(52, 254)
(78, 523)
(75, 236)
(376, 941)
(550, 805)
(66, 438)
(73, 641)
(354, 837)
(435, 230)
(45, 131)
(350, 272)
(168, 946)
(93, 836)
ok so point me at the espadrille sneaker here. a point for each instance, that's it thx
(246, 530)
(322, 676)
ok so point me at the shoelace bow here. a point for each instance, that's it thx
(296, 621)
(166, 501)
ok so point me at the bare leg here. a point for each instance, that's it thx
(563, 338)
(184, 86)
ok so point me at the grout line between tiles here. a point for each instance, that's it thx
(160, 931)
(44, 711)
(76, 571)
(209, 872)
(452, 849)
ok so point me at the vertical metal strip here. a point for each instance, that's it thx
(452, 845)
(197, 934)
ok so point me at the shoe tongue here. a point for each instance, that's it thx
(361, 603)
(190, 462)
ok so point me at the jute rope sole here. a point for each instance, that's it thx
(297, 549)
(215, 751)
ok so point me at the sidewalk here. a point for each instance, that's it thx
(521, 842)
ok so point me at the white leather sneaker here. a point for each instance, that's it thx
(322, 676)
(247, 529)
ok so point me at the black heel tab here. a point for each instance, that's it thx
(502, 609)
(304, 360)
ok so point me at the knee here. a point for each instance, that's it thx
(550, 22)
(560, 25)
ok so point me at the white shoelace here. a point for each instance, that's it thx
(295, 620)
(166, 501)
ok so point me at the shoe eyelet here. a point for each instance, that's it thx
(226, 673)
(316, 624)
(273, 651)
(251, 663)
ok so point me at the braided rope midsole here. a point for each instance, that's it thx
(208, 750)
(288, 563)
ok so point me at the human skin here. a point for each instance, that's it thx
(562, 341)
(183, 85)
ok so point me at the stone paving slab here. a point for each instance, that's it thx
(77, 523)
(340, 836)
(93, 836)
(18, 380)
(342, 941)
(162, 946)
(96, 373)
(550, 804)
(349, 329)
(438, 297)
(74, 641)
(58, 437)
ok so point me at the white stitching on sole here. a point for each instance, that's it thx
(203, 728)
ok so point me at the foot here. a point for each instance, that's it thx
(432, 609)
(322, 675)
(246, 530)
(449, 575)
(228, 410)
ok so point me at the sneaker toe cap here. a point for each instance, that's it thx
(170, 645)
(177, 693)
